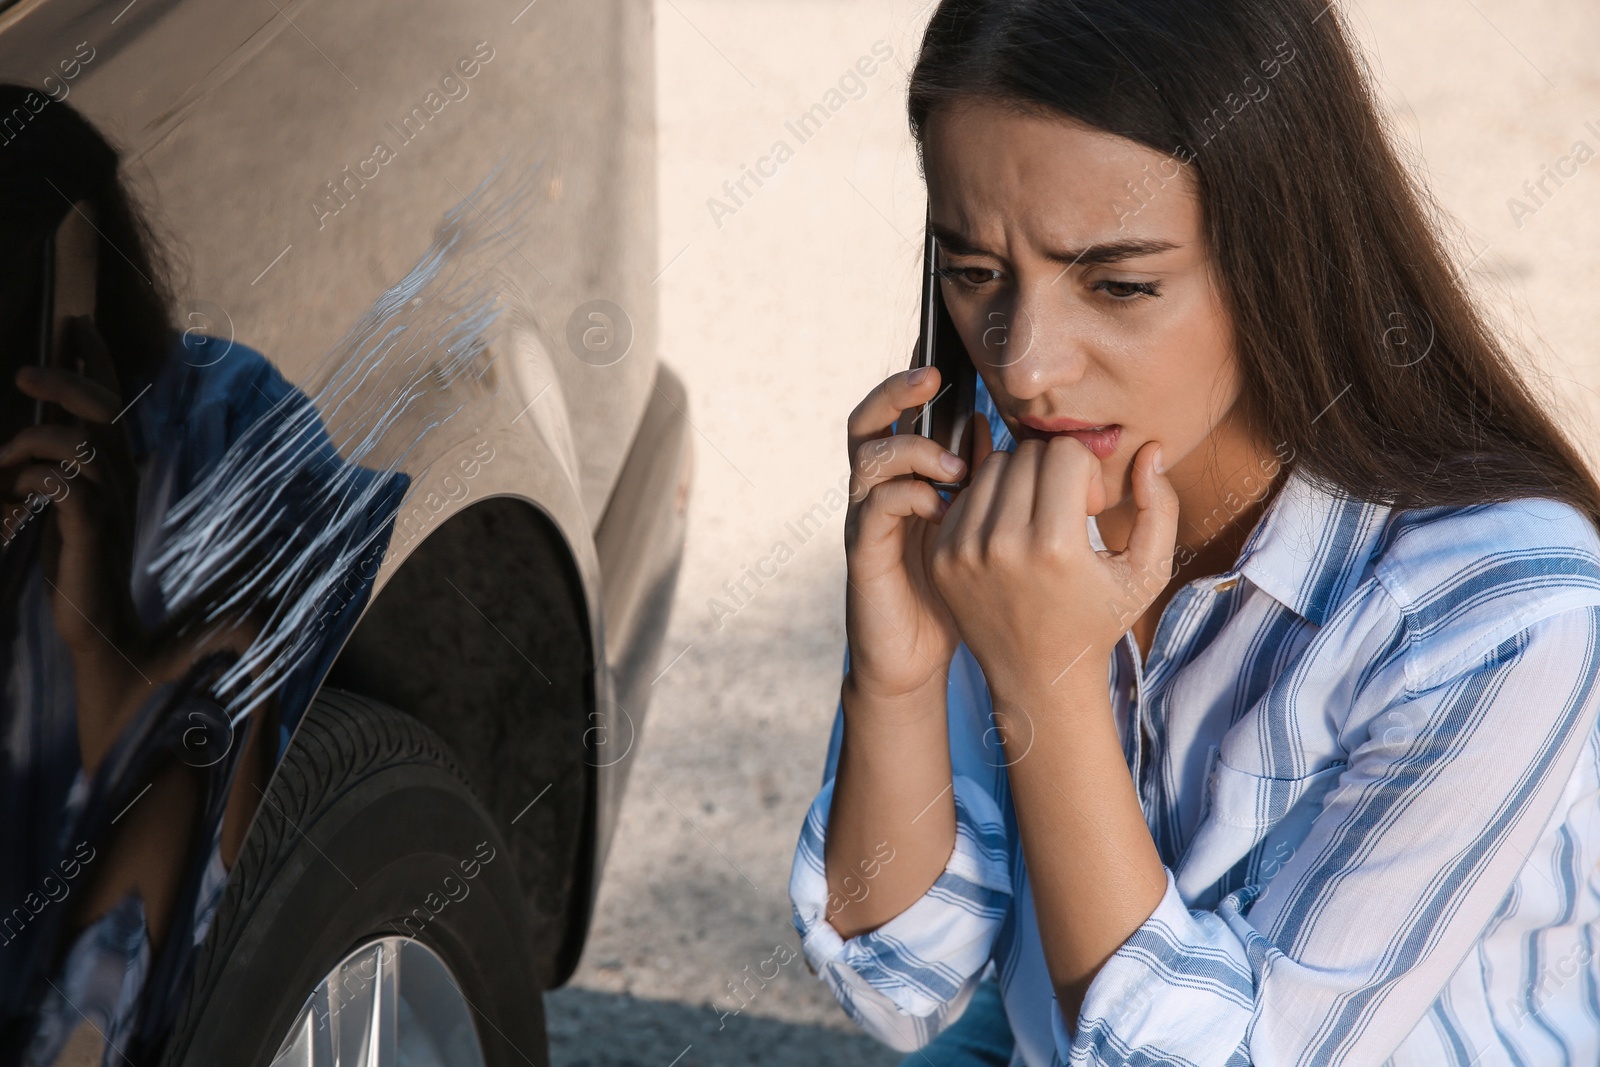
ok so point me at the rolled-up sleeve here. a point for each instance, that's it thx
(1338, 954)
(905, 980)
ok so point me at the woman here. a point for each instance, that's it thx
(1260, 464)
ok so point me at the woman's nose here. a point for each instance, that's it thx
(1034, 347)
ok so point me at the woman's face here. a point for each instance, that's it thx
(1075, 268)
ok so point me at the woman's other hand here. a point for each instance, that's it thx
(1029, 594)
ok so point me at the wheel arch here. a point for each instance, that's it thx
(483, 634)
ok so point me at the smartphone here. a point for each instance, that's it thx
(945, 417)
(68, 264)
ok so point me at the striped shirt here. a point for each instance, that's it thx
(1369, 759)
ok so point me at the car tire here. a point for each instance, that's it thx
(366, 818)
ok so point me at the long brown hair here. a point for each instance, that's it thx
(1360, 349)
(50, 158)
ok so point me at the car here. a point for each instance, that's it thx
(361, 554)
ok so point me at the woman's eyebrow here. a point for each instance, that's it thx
(956, 243)
(1094, 255)
(1110, 252)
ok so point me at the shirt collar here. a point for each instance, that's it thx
(1312, 546)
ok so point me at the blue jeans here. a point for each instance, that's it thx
(980, 1038)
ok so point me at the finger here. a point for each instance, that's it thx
(68, 446)
(886, 458)
(883, 513)
(1155, 524)
(1012, 508)
(1068, 472)
(35, 485)
(97, 407)
(888, 400)
(76, 516)
(38, 480)
(17, 508)
(75, 393)
(969, 508)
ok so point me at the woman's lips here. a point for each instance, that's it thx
(1101, 440)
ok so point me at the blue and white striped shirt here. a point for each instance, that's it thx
(1372, 771)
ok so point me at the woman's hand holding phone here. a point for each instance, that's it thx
(901, 633)
(893, 787)
(82, 464)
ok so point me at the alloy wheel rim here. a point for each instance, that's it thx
(392, 1001)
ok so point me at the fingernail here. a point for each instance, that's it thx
(951, 463)
(1161, 465)
(918, 375)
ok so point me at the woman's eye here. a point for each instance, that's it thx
(1127, 291)
(971, 277)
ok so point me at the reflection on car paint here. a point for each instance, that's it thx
(174, 587)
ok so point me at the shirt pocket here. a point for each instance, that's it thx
(1241, 810)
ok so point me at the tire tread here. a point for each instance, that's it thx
(342, 740)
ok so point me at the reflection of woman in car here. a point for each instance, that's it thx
(1260, 464)
(122, 765)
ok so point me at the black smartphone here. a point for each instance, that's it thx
(945, 417)
(67, 268)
